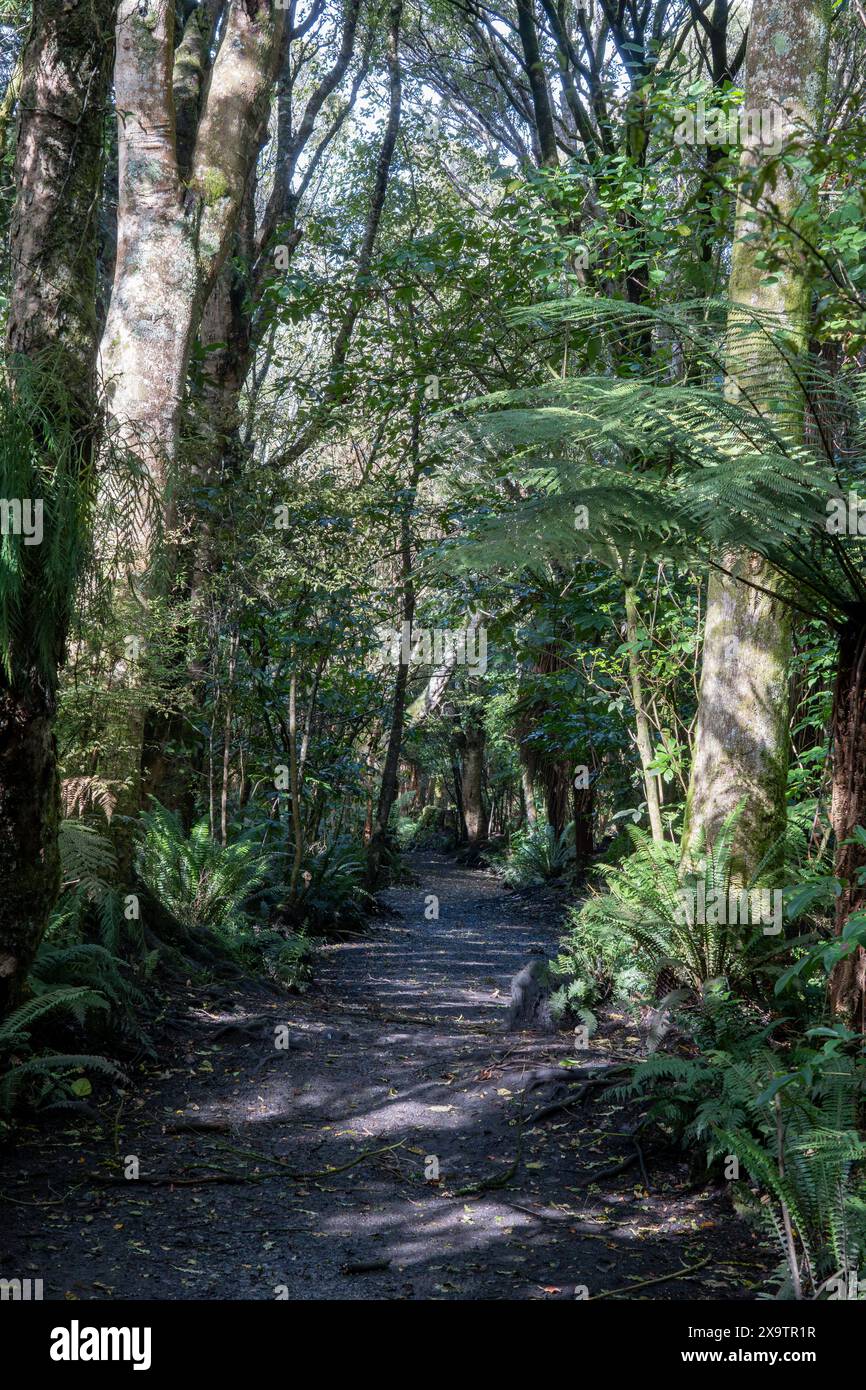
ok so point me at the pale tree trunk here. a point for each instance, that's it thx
(430, 701)
(742, 739)
(528, 791)
(643, 730)
(475, 814)
(51, 329)
(175, 228)
(390, 772)
(233, 321)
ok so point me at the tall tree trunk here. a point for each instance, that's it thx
(528, 791)
(643, 731)
(175, 228)
(457, 782)
(556, 779)
(52, 330)
(742, 740)
(550, 768)
(848, 810)
(545, 131)
(390, 771)
(583, 804)
(295, 788)
(475, 813)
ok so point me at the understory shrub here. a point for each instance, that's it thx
(201, 882)
(779, 1118)
(538, 855)
(689, 928)
(772, 1100)
(34, 1075)
(330, 891)
(422, 832)
(596, 962)
(206, 885)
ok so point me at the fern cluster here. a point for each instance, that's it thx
(786, 1117)
(331, 890)
(596, 963)
(38, 1076)
(538, 855)
(44, 461)
(201, 882)
(647, 899)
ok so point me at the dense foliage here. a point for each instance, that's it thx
(494, 385)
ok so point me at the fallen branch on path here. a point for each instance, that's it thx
(301, 1175)
(684, 1273)
(109, 1180)
(599, 1077)
(612, 1171)
(200, 1126)
(365, 1267)
(501, 1179)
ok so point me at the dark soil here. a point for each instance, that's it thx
(398, 1056)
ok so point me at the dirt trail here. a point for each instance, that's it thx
(399, 1050)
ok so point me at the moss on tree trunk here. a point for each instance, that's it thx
(742, 738)
(51, 330)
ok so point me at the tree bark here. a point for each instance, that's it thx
(475, 814)
(174, 233)
(528, 791)
(643, 731)
(848, 810)
(583, 804)
(389, 785)
(52, 330)
(545, 131)
(742, 739)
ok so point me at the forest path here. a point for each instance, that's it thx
(398, 1056)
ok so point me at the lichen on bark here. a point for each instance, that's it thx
(742, 738)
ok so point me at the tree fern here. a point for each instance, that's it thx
(666, 468)
(539, 855)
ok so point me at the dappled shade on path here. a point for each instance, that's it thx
(398, 1057)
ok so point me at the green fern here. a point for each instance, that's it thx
(538, 856)
(331, 889)
(202, 882)
(666, 468)
(90, 891)
(75, 1000)
(645, 901)
(50, 1070)
(788, 1114)
(42, 1076)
